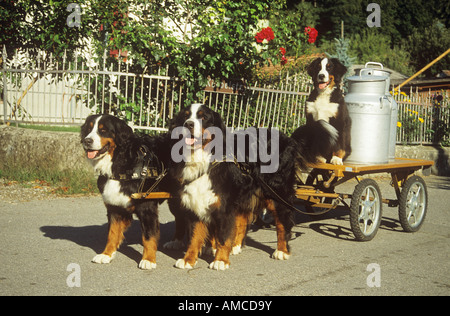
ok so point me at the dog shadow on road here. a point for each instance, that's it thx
(95, 236)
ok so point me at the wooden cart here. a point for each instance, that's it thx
(319, 196)
(318, 193)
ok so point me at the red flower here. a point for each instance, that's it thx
(312, 34)
(283, 58)
(265, 34)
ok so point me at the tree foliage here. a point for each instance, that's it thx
(426, 45)
(208, 39)
(40, 24)
(412, 32)
(371, 45)
(215, 39)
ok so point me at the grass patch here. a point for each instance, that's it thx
(52, 128)
(67, 182)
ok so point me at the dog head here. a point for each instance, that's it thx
(102, 134)
(326, 72)
(196, 121)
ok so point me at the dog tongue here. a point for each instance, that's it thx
(323, 85)
(189, 141)
(92, 154)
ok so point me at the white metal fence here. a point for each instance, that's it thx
(279, 105)
(44, 90)
(423, 118)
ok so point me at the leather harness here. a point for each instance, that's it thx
(143, 171)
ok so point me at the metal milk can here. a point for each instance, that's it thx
(374, 116)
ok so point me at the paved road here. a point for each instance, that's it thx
(46, 245)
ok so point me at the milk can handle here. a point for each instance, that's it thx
(373, 63)
(385, 97)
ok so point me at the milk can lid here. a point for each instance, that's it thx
(364, 78)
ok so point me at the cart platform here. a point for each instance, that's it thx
(319, 196)
(393, 165)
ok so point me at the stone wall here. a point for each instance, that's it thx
(64, 151)
(23, 147)
(440, 156)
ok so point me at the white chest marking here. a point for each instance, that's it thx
(198, 196)
(103, 165)
(112, 195)
(322, 108)
(197, 164)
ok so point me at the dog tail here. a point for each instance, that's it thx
(330, 134)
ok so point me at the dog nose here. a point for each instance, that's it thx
(189, 124)
(321, 76)
(87, 141)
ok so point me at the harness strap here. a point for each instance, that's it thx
(284, 202)
(141, 170)
(154, 185)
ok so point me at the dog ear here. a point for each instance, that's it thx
(340, 68)
(218, 121)
(122, 131)
(313, 66)
(171, 123)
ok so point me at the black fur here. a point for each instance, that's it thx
(314, 136)
(240, 193)
(126, 151)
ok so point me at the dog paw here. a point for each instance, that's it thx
(219, 265)
(102, 258)
(181, 264)
(147, 265)
(236, 250)
(280, 255)
(335, 160)
(174, 245)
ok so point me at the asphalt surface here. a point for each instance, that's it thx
(46, 248)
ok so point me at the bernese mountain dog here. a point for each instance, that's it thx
(126, 164)
(326, 133)
(218, 197)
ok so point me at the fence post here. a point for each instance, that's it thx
(5, 87)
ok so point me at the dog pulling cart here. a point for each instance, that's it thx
(366, 201)
(319, 195)
(374, 122)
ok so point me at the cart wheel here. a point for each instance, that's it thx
(412, 205)
(365, 210)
